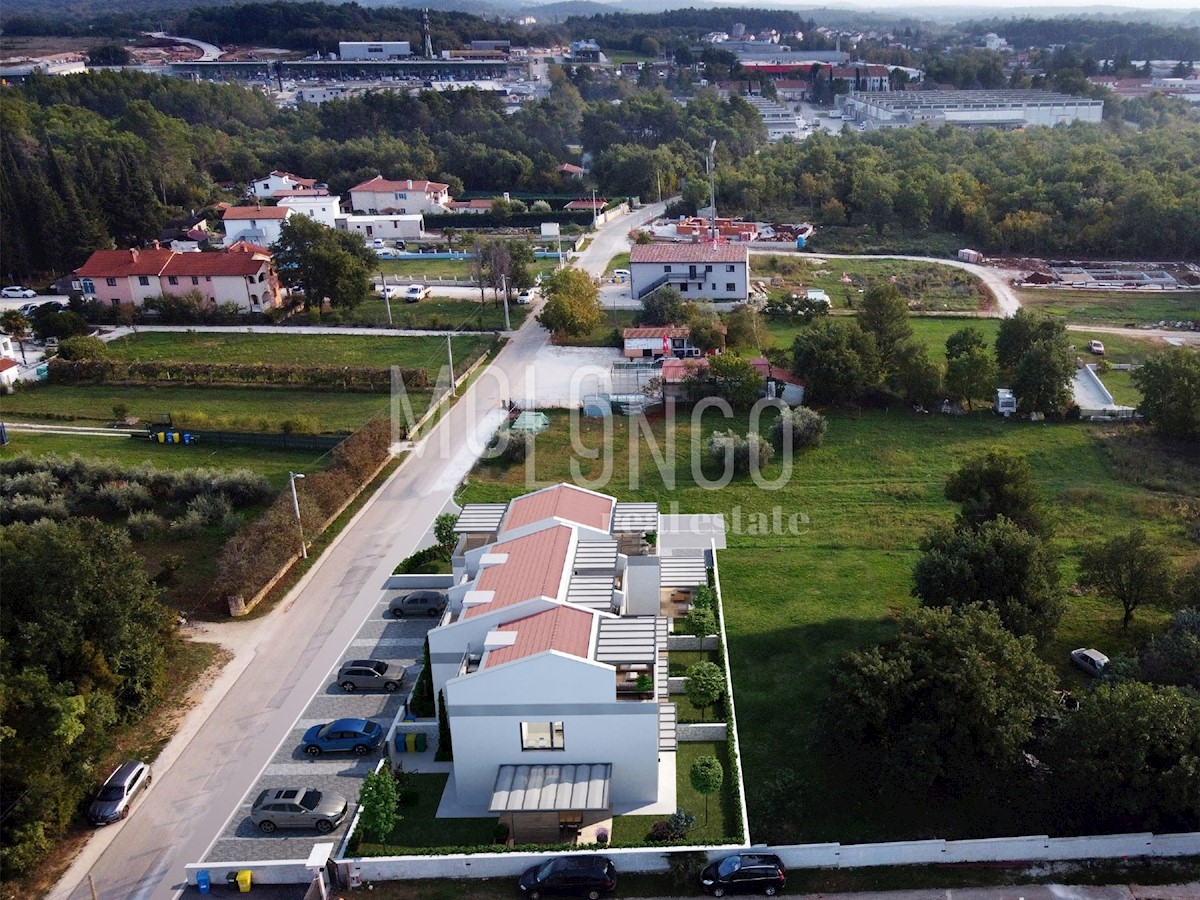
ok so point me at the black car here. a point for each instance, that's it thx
(570, 876)
(418, 603)
(744, 873)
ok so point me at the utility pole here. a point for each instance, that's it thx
(504, 288)
(712, 190)
(658, 177)
(450, 353)
(387, 300)
(593, 209)
(292, 476)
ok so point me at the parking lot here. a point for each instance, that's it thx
(397, 642)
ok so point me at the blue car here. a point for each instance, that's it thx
(359, 736)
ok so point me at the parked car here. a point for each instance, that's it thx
(1096, 347)
(386, 253)
(298, 808)
(370, 675)
(378, 243)
(391, 291)
(621, 274)
(18, 291)
(359, 736)
(1091, 661)
(415, 293)
(526, 296)
(744, 873)
(416, 603)
(570, 876)
(115, 798)
(28, 308)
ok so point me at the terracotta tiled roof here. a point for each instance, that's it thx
(588, 203)
(228, 263)
(563, 502)
(471, 204)
(124, 263)
(379, 183)
(247, 247)
(564, 628)
(571, 169)
(256, 212)
(536, 567)
(702, 252)
(6, 364)
(675, 371)
(766, 370)
(656, 331)
(305, 182)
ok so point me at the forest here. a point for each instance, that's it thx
(1098, 38)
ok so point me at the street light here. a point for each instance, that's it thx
(292, 476)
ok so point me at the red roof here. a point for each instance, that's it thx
(124, 263)
(701, 252)
(237, 262)
(571, 169)
(766, 370)
(588, 203)
(307, 182)
(256, 212)
(536, 567)
(564, 628)
(656, 331)
(676, 371)
(6, 364)
(471, 204)
(563, 502)
(247, 247)
(379, 183)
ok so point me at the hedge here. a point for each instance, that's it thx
(346, 378)
(516, 220)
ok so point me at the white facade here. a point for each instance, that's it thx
(374, 49)
(998, 109)
(264, 188)
(261, 230)
(406, 197)
(398, 227)
(319, 209)
(718, 272)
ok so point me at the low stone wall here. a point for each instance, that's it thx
(701, 731)
(688, 642)
(676, 684)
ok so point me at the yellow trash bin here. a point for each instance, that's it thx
(243, 881)
(410, 742)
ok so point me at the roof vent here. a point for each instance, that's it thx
(497, 640)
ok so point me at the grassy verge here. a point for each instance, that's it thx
(1113, 307)
(420, 828)
(798, 600)
(435, 269)
(716, 828)
(602, 334)
(436, 313)
(620, 261)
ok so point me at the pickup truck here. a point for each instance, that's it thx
(415, 293)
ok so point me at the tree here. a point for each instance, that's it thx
(17, 327)
(1127, 759)
(1129, 568)
(998, 565)
(997, 483)
(964, 341)
(59, 325)
(83, 346)
(706, 776)
(838, 361)
(970, 374)
(1170, 386)
(664, 306)
(745, 330)
(916, 377)
(328, 264)
(705, 684)
(109, 55)
(741, 452)
(572, 306)
(1019, 333)
(805, 426)
(735, 379)
(700, 622)
(1173, 658)
(884, 313)
(951, 699)
(1042, 381)
(378, 804)
(444, 533)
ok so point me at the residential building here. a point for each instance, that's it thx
(587, 51)
(10, 370)
(243, 275)
(390, 228)
(551, 656)
(380, 196)
(587, 204)
(254, 224)
(269, 185)
(318, 207)
(714, 270)
(653, 341)
(476, 207)
(571, 170)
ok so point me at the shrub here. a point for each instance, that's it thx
(511, 446)
(742, 450)
(29, 484)
(144, 525)
(681, 821)
(188, 526)
(700, 622)
(29, 509)
(807, 427)
(125, 496)
(211, 509)
(500, 835)
(686, 867)
(661, 832)
(82, 347)
(704, 597)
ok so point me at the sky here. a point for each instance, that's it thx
(1017, 8)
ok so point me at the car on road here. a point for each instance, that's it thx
(744, 873)
(378, 243)
(418, 603)
(386, 253)
(28, 308)
(114, 800)
(369, 675)
(527, 296)
(359, 736)
(569, 876)
(621, 275)
(415, 293)
(1096, 347)
(1090, 660)
(298, 808)
(18, 291)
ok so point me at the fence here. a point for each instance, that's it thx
(316, 442)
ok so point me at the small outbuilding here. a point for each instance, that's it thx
(531, 421)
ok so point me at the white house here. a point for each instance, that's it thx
(254, 224)
(318, 207)
(393, 227)
(550, 658)
(10, 370)
(269, 185)
(382, 196)
(713, 270)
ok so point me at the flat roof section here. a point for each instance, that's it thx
(477, 518)
(632, 640)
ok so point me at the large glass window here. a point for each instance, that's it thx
(542, 736)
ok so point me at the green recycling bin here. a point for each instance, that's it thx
(421, 742)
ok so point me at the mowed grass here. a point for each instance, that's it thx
(419, 828)
(1114, 307)
(717, 827)
(437, 313)
(298, 349)
(431, 269)
(231, 408)
(836, 574)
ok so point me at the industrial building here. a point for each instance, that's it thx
(968, 109)
(374, 49)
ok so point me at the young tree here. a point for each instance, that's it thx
(1170, 386)
(572, 304)
(705, 684)
(378, 802)
(806, 427)
(970, 374)
(838, 361)
(951, 699)
(884, 313)
(706, 776)
(328, 264)
(1130, 568)
(964, 341)
(1042, 381)
(664, 306)
(735, 379)
(916, 377)
(745, 330)
(997, 483)
(443, 531)
(997, 565)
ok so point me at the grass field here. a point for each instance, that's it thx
(602, 334)
(1113, 307)
(427, 353)
(797, 601)
(435, 269)
(229, 408)
(435, 313)
(419, 826)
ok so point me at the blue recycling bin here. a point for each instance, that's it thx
(203, 881)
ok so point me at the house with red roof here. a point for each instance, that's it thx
(255, 224)
(9, 370)
(379, 196)
(243, 275)
(276, 182)
(715, 270)
(551, 657)
(653, 341)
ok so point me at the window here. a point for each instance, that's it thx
(171, 279)
(666, 268)
(542, 736)
(729, 268)
(111, 282)
(708, 268)
(195, 279)
(208, 278)
(144, 280)
(88, 286)
(262, 276)
(683, 288)
(730, 286)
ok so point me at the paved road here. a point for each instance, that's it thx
(1178, 338)
(209, 52)
(281, 660)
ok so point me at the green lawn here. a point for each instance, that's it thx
(435, 313)
(797, 601)
(229, 408)
(1114, 307)
(300, 349)
(420, 828)
(602, 334)
(620, 261)
(435, 269)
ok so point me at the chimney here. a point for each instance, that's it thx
(133, 254)
(156, 246)
(410, 184)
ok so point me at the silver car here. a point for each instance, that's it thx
(369, 675)
(298, 808)
(115, 799)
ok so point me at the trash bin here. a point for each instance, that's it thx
(243, 881)
(421, 742)
(400, 748)
(410, 743)
(203, 882)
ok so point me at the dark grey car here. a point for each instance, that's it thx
(418, 603)
(298, 808)
(114, 800)
(370, 675)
